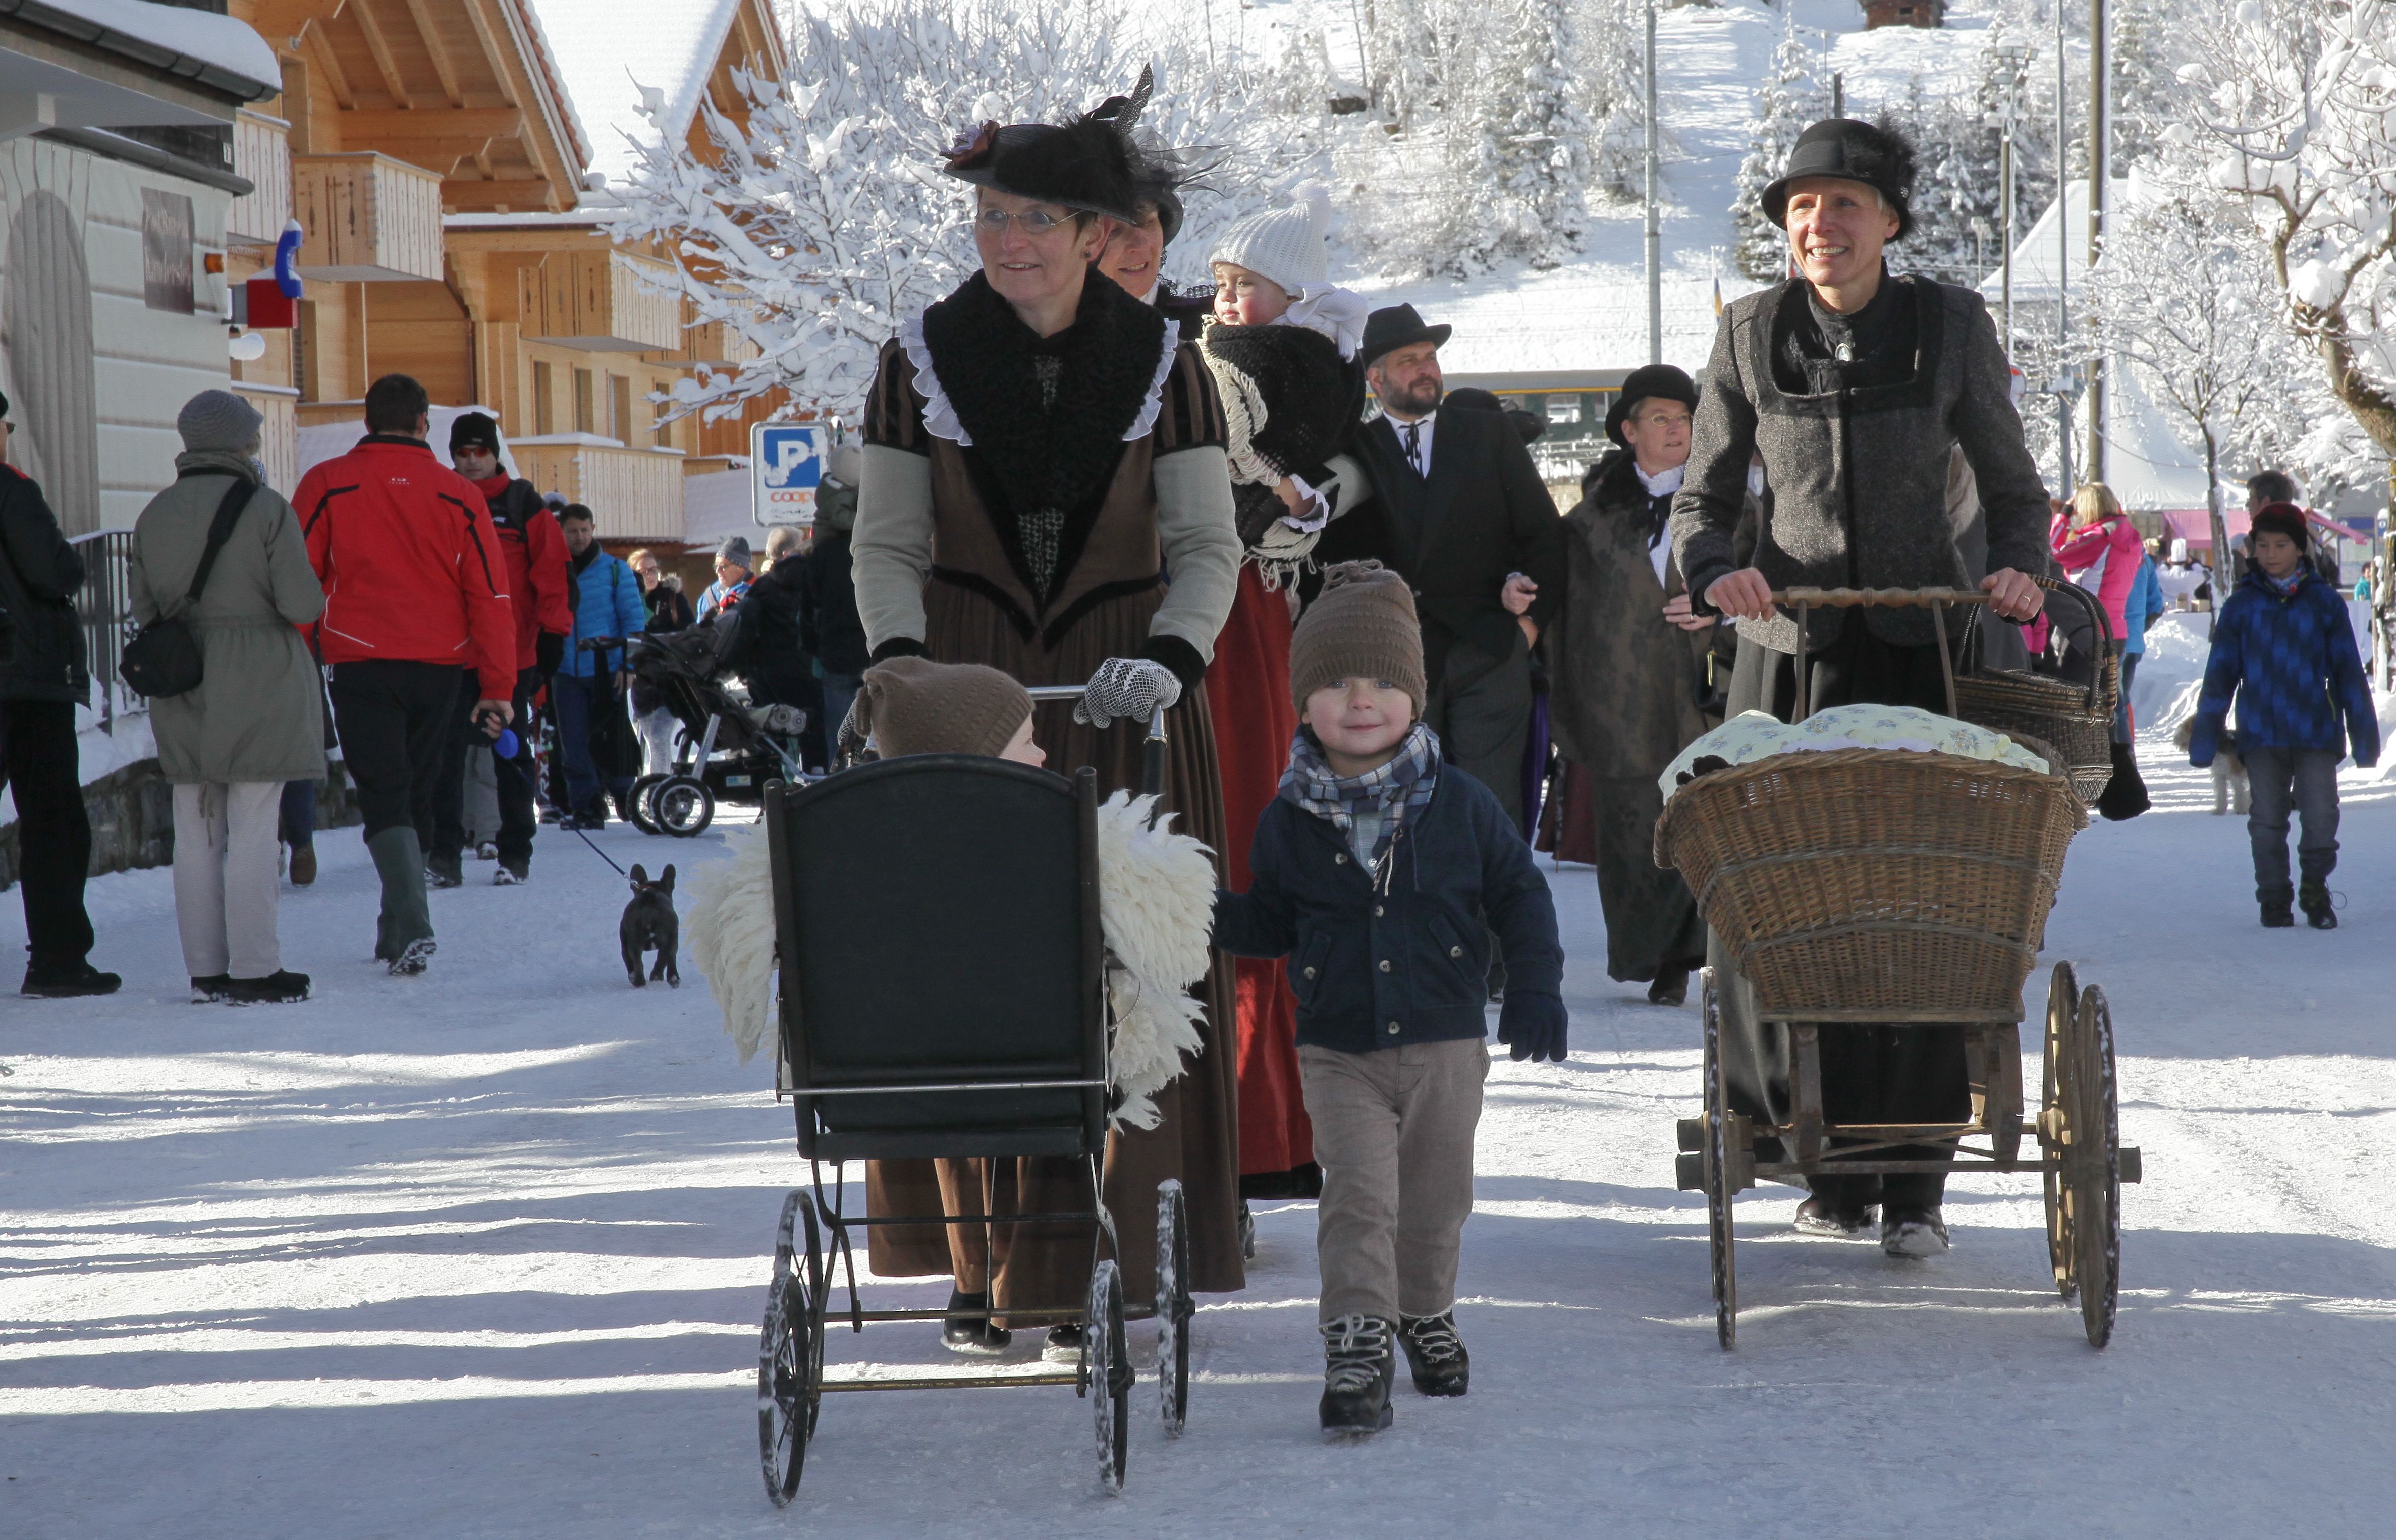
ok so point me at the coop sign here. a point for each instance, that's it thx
(786, 462)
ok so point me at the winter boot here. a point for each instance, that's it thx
(511, 873)
(1816, 1216)
(1064, 1345)
(48, 982)
(1358, 1365)
(2124, 796)
(445, 870)
(2313, 899)
(2277, 914)
(972, 1334)
(406, 917)
(211, 989)
(1247, 1233)
(1913, 1234)
(303, 865)
(1435, 1354)
(1671, 987)
(280, 988)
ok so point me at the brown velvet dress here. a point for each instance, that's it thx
(980, 610)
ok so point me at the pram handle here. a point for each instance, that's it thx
(1934, 599)
(1152, 763)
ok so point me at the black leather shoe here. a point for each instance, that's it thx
(1671, 987)
(972, 1334)
(1435, 1354)
(1064, 1345)
(67, 982)
(1359, 1363)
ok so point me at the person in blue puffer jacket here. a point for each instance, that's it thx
(2284, 647)
(605, 599)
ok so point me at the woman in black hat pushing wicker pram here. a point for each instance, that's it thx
(1853, 384)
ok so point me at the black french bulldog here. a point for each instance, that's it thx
(649, 920)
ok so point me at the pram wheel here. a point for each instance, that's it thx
(1106, 1370)
(636, 806)
(2054, 1118)
(1173, 1307)
(2094, 1177)
(682, 806)
(789, 1355)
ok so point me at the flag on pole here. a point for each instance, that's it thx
(1717, 298)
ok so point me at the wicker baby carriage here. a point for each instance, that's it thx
(2076, 719)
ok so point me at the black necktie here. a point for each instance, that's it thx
(1413, 447)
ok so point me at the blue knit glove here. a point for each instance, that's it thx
(1532, 1023)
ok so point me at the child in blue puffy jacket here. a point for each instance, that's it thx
(2284, 647)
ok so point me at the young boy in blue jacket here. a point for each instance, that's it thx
(1380, 873)
(2285, 649)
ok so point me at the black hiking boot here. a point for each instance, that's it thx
(280, 988)
(972, 1334)
(1358, 1365)
(1671, 987)
(2320, 913)
(1435, 1353)
(211, 989)
(54, 982)
(444, 870)
(1817, 1216)
(2277, 914)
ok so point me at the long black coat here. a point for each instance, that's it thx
(1858, 475)
(40, 575)
(1454, 536)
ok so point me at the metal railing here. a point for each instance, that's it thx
(105, 609)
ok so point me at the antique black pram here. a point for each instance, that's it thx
(1863, 886)
(943, 995)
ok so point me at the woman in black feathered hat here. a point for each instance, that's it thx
(1856, 386)
(1053, 441)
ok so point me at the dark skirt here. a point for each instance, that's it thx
(1197, 1137)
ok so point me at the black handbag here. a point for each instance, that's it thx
(163, 658)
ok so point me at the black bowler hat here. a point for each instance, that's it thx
(1647, 382)
(1878, 156)
(1086, 163)
(1396, 327)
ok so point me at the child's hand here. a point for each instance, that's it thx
(1533, 1025)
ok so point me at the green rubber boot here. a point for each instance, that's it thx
(404, 933)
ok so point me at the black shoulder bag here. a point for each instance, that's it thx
(164, 658)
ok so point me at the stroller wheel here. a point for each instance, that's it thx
(636, 806)
(682, 806)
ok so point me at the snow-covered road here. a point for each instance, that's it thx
(483, 1254)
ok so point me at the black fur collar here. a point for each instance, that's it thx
(1028, 457)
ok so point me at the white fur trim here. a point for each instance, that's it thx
(939, 416)
(1146, 422)
(732, 936)
(1157, 902)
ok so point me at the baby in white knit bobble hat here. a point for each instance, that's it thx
(1271, 269)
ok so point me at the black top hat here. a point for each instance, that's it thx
(1087, 162)
(1874, 155)
(1396, 327)
(1645, 383)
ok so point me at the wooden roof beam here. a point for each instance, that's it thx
(336, 80)
(381, 48)
(435, 123)
(442, 67)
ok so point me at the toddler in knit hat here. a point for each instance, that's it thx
(914, 706)
(1384, 875)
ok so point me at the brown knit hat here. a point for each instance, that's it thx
(1363, 625)
(914, 706)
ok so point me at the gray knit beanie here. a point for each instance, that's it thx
(914, 706)
(1361, 626)
(735, 550)
(218, 419)
(1284, 245)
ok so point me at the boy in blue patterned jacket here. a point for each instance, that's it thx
(2284, 647)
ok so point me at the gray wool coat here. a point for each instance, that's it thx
(258, 714)
(1858, 476)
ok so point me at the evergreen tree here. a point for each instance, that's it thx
(1791, 98)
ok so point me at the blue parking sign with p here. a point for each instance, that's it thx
(786, 462)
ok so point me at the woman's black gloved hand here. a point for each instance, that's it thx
(1533, 1025)
(548, 652)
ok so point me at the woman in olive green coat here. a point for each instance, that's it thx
(256, 720)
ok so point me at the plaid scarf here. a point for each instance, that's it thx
(1402, 788)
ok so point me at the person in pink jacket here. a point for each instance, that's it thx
(2100, 551)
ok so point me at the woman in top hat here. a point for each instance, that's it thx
(1041, 450)
(1853, 384)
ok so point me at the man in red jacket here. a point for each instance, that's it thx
(529, 537)
(416, 590)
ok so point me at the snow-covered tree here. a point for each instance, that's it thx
(816, 226)
(1527, 150)
(1791, 97)
(2294, 103)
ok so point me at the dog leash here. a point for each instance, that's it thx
(517, 771)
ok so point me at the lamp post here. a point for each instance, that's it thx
(2015, 59)
(1655, 215)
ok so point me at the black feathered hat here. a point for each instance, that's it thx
(1159, 172)
(1645, 383)
(1874, 155)
(1086, 163)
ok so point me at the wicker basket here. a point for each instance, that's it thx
(1868, 883)
(2076, 719)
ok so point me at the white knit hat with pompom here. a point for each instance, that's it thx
(1284, 245)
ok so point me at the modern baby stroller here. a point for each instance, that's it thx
(727, 750)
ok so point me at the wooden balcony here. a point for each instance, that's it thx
(601, 301)
(714, 343)
(636, 493)
(368, 217)
(263, 152)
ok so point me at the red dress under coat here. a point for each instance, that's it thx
(1247, 690)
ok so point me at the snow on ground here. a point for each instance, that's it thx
(482, 1254)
